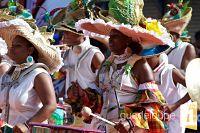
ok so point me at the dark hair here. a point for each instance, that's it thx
(103, 48)
(29, 44)
(135, 46)
(197, 35)
(174, 34)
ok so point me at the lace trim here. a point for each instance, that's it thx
(119, 59)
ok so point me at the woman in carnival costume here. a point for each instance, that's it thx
(180, 56)
(81, 59)
(125, 80)
(26, 90)
(167, 76)
(176, 21)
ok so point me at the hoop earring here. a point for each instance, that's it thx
(29, 59)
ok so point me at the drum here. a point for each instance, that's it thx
(50, 128)
(5, 128)
(193, 80)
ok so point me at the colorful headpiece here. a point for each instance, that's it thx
(126, 16)
(14, 10)
(178, 17)
(78, 9)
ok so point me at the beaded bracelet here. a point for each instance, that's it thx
(130, 124)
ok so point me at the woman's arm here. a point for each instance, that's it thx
(4, 68)
(44, 88)
(189, 54)
(143, 71)
(97, 60)
(173, 107)
(178, 77)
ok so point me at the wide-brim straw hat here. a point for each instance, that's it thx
(178, 25)
(47, 35)
(4, 15)
(193, 80)
(62, 26)
(47, 54)
(146, 38)
(65, 19)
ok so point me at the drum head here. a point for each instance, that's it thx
(193, 80)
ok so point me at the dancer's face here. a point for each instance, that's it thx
(20, 49)
(118, 42)
(72, 39)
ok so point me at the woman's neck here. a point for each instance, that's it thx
(155, 65)
(21, 62)
(118, 53)
(123, 58)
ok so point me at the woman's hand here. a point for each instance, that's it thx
(170, 108)
(120, 127)
(20, 128)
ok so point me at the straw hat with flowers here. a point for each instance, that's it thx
(178, 17)
(150, 34)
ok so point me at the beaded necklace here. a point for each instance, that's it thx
(18, 68)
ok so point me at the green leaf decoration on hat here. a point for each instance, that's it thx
(12, 6)
(75, 4)
(185, 5)
(76, 10)
(6, 14)
(18, 10)
(127, 11)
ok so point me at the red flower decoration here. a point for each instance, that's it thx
(180, 5)
(172, 5)
(1, 123)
